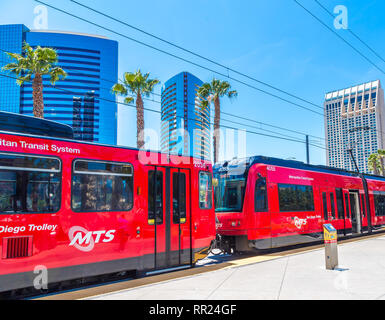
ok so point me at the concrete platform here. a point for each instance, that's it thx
(300, 276)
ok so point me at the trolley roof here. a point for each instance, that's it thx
(241, 166)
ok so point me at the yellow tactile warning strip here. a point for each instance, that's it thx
(235, 262)
(252, 260)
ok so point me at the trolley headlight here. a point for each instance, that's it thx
(236, 223)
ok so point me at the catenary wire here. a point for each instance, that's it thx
(222, 112)
(208, 68)
(180, 58)
(351, 32)
(282, 137)
(195, 54)
(230, 121)
(262, 129)
(340, 37)
(159, 112)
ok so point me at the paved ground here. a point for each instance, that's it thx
(361, 275)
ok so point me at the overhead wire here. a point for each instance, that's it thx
(159, 112)
(180, 58)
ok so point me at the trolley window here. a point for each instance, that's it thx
(179, 198)
(347, 206)
(332, 206)
(102, 186)
(340, 204)
(205, 190)
(155, 187)
(229, 192)
(379, 203)
(325, 206)
(295, 198)
(260, 195)
(29, 184)
(363, 205)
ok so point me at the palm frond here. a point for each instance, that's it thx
(119, 89)
(56, 74)
(128, 99)
(205, 90)
(148, 86)
(216, 89)
(232, 94)
(27, 78)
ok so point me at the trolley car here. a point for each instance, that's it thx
(81, 210)
(264, 203)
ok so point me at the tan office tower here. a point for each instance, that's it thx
(354, 119)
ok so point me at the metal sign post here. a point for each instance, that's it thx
(331, 252)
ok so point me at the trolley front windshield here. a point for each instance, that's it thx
(229, 192)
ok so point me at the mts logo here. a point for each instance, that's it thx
(300, 222)
(85, 240)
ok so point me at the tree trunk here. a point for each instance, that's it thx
(382, 165)
(375, 168)
(217, 134)
(139, 121)
(37, 93)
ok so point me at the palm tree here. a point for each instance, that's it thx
(374, 163)
(136, 84)
(212, 92)
(381, 155)
(33, 64)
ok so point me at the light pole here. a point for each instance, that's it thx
(353, 159)
(361, 175)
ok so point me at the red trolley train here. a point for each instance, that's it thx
(265, 202)
(81, 209)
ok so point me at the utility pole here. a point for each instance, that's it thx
(354, 160)
(307, 150)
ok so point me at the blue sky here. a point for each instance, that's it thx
(274, 41)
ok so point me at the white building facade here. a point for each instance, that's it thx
(354, 119)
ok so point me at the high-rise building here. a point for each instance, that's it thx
(185, 125)
(84, 117)
(354, 119)
(83, 100)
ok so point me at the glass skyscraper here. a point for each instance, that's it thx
(185, 125)
(83, 100)
(354, 119)
(11, 40)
